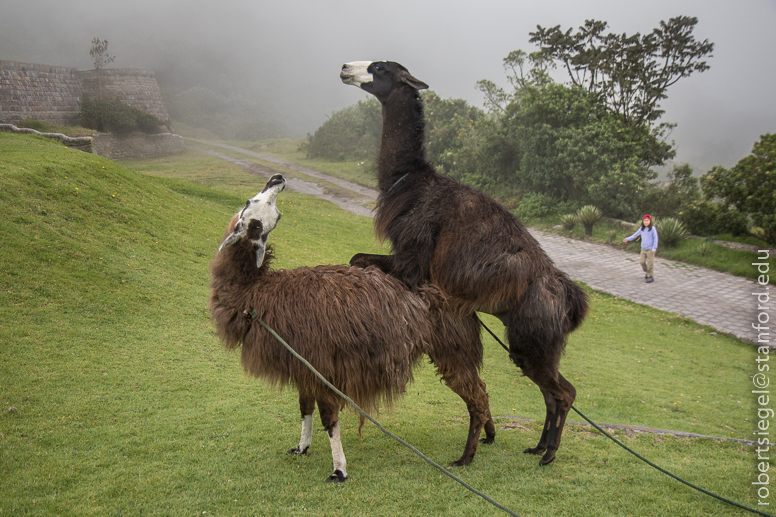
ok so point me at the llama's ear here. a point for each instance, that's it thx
(229, 240)
(415, 83)
(261, 249)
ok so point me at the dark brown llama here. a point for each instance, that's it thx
(362, 329)
(479, 254)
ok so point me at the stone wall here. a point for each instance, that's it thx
(52, 93)
(137, 88)
(136, 145)
(114, 146)
(48, 93)
(82, 143)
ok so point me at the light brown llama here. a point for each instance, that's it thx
(363, 330)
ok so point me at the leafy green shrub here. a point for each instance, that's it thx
(671, 198)
(671, 231)
(448, 125)
(352, 133)
(588, 216)
(147, 123)
(707, 218)
(749, 186)
(116, 117)
(568, 222)
(534, 206)
(33, 123)
(703, 248)
(611, 235)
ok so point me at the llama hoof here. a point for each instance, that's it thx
(337, 477)
(296, 451)
(534, 450)
(460, 463)
(488, 440)
(547, 459)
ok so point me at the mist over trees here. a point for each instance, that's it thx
(749, 188)
(556, 147)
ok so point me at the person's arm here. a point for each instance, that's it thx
(654, 242)
(628, 239)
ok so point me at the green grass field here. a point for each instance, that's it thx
(117, 399)
(716, 257)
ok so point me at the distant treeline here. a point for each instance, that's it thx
(229, 116)
(552, 148)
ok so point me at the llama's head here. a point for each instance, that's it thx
(378, 77)
(257, 219)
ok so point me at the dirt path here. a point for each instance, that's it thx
(719, 300)
(357, 200)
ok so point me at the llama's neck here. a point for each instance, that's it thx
(401, 145)
(236, 265)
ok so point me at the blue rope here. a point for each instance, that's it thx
(642, 458)
(397, 182)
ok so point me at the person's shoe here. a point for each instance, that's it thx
(646, 276)
(650, 279)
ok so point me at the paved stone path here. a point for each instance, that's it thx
(719, 300)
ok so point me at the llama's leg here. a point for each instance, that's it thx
(549, 402)
(306, 407)
(468, 386)
(330, 420)
(382, 262)
(456, 351)
(536, 342)
(559, 395)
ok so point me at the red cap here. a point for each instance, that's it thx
(647, 216)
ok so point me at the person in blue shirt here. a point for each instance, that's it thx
(648, 234)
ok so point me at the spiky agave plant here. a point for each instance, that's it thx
(671, 231)
(588, 216)
(568, 222)
(703, 248)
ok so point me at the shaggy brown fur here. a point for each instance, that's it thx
(362, 329)
(479, 254)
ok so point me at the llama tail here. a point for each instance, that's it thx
(538, 325)
(576, 303)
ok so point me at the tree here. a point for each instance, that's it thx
(352, 133)
(750, 186)
(630, 73)
(100, 58)
(568, 146)
(670, 199)
(537, 76)
(447, 123)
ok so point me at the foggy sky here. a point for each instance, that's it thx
(290, 52)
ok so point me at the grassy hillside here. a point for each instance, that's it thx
(116, 398)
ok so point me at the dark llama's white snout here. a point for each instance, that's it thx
(356, 73)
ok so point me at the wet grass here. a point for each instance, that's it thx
(117, 399)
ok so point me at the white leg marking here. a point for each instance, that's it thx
(337, 454)
(307, 432)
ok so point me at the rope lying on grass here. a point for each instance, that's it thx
(254, 316)
(642, 458)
